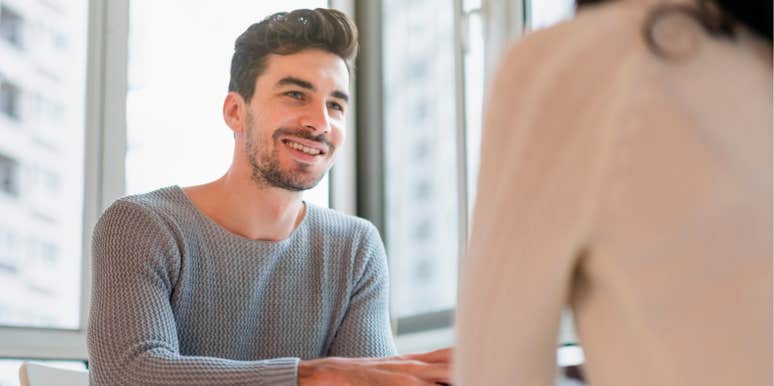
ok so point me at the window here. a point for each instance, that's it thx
(420, 153)
(9, 176)
(545, 13)
(9, 99)
(11, 24)
(473, 50)
(433, 81)
(418, 168)
(178, 76)
(42, 184)
(10, 255)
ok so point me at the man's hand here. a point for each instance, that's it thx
(425, 369)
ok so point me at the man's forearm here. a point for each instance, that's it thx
(416, 369)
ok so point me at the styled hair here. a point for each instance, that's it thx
(286, 33)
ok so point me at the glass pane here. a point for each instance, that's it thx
(421, 159)
(474, 99)
(471, 5)
(545, 13)
(42, 92)
(178, 77)
(9, 369)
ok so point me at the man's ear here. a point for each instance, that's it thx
(234, 108)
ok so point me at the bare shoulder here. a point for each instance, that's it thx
(597, 37)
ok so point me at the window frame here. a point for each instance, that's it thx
(105, 51)
(507, 21)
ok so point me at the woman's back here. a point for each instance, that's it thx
(638, 189)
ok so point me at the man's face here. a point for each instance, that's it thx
(295, 120)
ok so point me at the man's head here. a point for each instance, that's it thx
(287, 33)
(288, 95)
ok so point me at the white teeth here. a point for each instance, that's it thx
(307, 150)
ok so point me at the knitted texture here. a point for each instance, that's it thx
(179, 300)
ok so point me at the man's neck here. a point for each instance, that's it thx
(247, 209)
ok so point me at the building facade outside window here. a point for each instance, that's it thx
(9, 99)
(9, 176)
(42, 92)
(420, 153)
(11, 24)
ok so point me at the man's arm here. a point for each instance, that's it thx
(427, 369)
(365, 332)
(132, 335)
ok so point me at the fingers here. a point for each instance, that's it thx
(432, 366)
(407, 380)
(443, 355)
(437, 373)
(381, 377)
(393, 371)
(433, 372)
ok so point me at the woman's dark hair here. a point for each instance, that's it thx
(716, 16)
(287, 33)
(755, 14)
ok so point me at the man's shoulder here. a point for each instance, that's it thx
(336, 223)
(350, 240)
(147, 216)
(160, 203)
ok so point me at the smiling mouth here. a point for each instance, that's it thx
(302, 148)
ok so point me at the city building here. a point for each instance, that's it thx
(42, 61)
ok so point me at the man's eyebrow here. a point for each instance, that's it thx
(291, 80)
(340, 95)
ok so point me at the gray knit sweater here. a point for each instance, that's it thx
(179, 300)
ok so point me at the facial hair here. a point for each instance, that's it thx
(265, 167)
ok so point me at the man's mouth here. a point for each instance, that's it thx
(302, 147)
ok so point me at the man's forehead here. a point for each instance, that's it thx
(317, 67)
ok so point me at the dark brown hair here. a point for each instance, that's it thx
(286, 33)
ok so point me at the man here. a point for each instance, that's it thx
(239, 281)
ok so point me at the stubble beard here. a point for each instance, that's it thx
(268, 172)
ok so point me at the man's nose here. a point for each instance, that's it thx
(316, 120)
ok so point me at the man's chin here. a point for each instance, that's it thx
(299, 187)
(296, 184)
(297, 178)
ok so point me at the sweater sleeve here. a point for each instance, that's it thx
(365, 330)
(132, 335)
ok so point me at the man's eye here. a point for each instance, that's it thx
(295, 94)
(335, 106)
